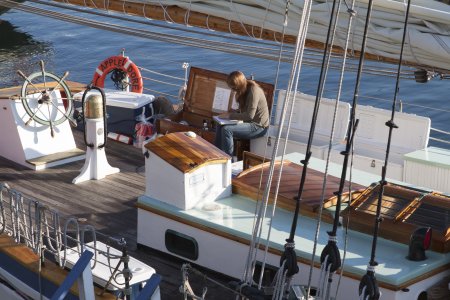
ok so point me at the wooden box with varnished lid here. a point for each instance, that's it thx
(193, 172)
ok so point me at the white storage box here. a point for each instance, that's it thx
(371, 140)
(301, 123)
(186, 171)
(429, 167)
(122, 108)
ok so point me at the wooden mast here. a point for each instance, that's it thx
(178, 15)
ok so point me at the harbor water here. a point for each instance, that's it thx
(27, 38)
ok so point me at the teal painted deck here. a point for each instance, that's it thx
(237, 219)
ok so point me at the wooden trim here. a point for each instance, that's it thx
(278, 252)
(14, 92)
(408, 210)
(250, 159)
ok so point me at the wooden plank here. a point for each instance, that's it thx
(46, 159)
(186, 153)
(13, 92)
(107, 204)
(249, 181)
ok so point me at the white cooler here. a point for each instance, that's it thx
(122, 109)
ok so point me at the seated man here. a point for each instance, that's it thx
(253, 111)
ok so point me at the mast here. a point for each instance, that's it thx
(368, 287)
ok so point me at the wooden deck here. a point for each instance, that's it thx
(108, 204)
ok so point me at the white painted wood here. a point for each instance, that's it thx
(22, 142)
(371, 140)
(96, 165)
(300, 124)
(102, 271)
(228, 257)
(186, 190)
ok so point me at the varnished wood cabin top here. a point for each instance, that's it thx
(247, 183)
(12, 92)
(186, 153)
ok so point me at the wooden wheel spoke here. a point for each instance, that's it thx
(60, 81)
(29, 81)
(34, 114)
(52, 133)
(43, 73)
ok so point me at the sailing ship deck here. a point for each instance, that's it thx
(107, 204)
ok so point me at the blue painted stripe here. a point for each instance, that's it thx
(150, 287)
(77, 270)
(29, 277)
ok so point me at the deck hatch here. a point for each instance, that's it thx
(181, 244)
(403, 210)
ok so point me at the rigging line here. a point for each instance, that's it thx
(160, 81)
(165, 13)
(330, 144)
(160, 93)
(411, 49)
(311, 130)
(128, 19)
(369, 279)
(150, 22)
(289, 256)
(187, 14)
(140, 33)
(161, 74)
(285, 23)
(347, 222)
(256, 54)
(264, 21)
(239, 18)
(298, 53)
(228, 49)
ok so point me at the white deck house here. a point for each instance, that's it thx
(186, 171)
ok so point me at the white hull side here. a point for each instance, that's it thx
(228, 257)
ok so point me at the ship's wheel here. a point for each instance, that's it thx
(46, 98)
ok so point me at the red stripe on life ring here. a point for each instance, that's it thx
(123, 63)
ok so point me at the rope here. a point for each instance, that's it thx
(330, 143)
(187, 15)
(3, 187)
(165, 13)
(144, 12)
(239, 18)
(264, 20)
(212, 45)
(266, 248)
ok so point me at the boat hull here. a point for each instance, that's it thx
(226, 253)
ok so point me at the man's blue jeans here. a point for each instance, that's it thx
(226, 133)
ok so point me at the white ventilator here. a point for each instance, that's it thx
(96, 165)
